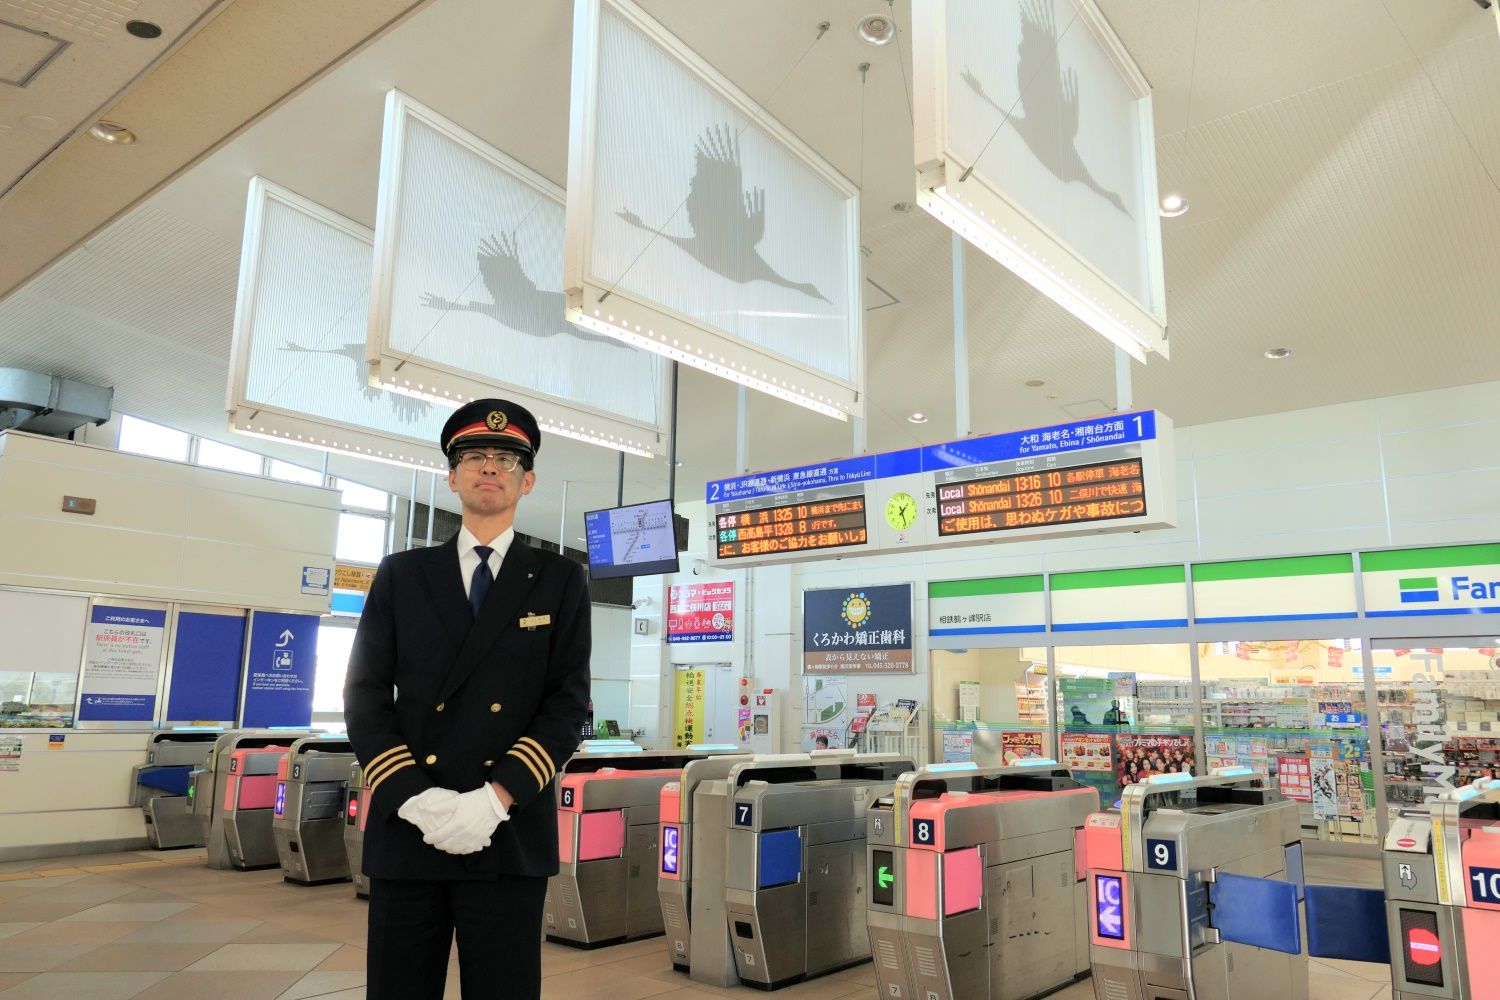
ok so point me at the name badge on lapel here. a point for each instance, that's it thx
(530, 622)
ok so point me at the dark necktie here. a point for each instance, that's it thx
(479, 585)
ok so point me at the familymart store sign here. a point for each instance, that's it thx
(1448, 580)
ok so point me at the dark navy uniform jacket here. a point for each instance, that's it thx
(437, 698)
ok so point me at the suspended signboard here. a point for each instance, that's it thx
(1034, 141)
(700, 228)
(467, 295)
(297, 367)
(1112, 473)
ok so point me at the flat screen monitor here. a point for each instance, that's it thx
(638, 540)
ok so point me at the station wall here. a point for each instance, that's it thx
(1416, 469)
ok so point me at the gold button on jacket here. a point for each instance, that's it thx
(432, 758)
(495, 707)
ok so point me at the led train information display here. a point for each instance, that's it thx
(1111, 473)
(801, 527)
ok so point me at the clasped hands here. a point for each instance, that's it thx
(458, 823)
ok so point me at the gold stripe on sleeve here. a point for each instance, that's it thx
(374, 762)
(541, 752)
(540, 781)
(376, 783)
(377, 774)
(538, 759)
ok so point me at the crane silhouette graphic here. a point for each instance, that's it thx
(515, 299)
(727, 220)
(1049, 96)
(407, 408)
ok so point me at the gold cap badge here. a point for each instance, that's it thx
(496, 421)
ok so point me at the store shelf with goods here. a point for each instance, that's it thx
(1031, 703)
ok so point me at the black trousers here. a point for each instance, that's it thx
(498, 925)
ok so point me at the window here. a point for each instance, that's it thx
(363, 497)
(287, 472)
(145, 438)
(361, 538)
(222, 456)
(334, 643)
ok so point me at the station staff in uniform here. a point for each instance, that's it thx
(467, 689)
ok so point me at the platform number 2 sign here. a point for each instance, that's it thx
(1486, 885)
(1161, 855)
(923, 832)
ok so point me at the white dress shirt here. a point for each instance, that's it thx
(468, 559)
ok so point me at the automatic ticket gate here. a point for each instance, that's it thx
(608, 806)
(160, 786)
(1195, 890)
(794, 882)
(1442, 896)
(674, 886)
(307, 819)
(977, 885)
(356, 806)
(216, 793)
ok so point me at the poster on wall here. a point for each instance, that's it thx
(825, 702)
(861, 630)
(688, 717)
(1087, 752)
(1294, 774)
(10, 754)
(280, 666)
(822, 738)
(122, 664)
(1140, 757)
(701, 612)
(958, 745)
(1021, 745)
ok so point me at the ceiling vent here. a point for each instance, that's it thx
(49, 404)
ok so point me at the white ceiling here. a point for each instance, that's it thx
(1340, 158)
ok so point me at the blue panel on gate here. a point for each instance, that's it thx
(173, 780)
(780, 857)
(1261, 912)
(1348, 923)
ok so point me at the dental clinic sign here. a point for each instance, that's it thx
(1448, 580)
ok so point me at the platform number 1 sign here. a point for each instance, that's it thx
(1486, 885)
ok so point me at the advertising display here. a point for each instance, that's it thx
(1294, 775)
(857, 631)
(701, 612)
(1140, 757)
(688, 715)
(958, 745)
(1021, 745)
(122, 664)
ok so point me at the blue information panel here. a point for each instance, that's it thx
(279, 670)
(1109, 907)
(670, 836)
(122, 664)
(1116, 429)
(206, 659)
(639, 540)
(1261, 912)
(1484, 884)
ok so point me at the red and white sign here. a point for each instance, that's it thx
(701, 612)
(1423, 946)
(1406, 842)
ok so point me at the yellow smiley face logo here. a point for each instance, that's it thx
(496, 421)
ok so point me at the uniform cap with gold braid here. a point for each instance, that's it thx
(492, 423)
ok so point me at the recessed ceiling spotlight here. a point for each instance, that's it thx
(918, 418)
(143, 29)
(875, 29)
(1173, 205)
(1279, 353)
(119, 135)
(1035, 383)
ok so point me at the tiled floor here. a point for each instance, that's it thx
(160, 926)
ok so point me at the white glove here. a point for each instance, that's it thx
(475, 816)
(429, 810)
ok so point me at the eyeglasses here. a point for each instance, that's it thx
(474, 461)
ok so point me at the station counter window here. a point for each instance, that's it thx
(1295, 710)
(37, 700)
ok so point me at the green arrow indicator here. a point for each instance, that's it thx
(884, 877)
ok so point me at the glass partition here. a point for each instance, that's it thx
(1124, 713)
(989, 705)
(1439, 714)
(1294, 709)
